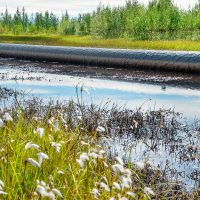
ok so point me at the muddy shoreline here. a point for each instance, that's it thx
(178, 79)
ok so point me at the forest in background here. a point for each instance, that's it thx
(160, 20)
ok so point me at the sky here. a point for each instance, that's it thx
(73, 6)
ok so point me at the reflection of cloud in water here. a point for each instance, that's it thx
(63, 80)
(130, 94)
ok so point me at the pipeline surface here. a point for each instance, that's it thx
(139, 59)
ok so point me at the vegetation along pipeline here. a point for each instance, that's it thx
(142, 59)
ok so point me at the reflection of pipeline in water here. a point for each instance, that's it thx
(141, 59)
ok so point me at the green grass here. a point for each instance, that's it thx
(88, 41)
(67, 140)
(61, 170)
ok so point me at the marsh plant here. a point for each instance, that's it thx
(62, 151)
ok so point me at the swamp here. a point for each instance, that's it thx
(82, 132)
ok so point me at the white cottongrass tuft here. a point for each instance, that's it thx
(105, 164)
(83, 158)
(40, 132)
(148, 191)
(42, 156)
(101, 129)
(1, 123)
(57, 146)
(85, 143)
(2, 192)
(94, 155)
(105, 186)
(95, 193)
(33, 162)
(131, 194)
(44, 190)
(1, 188)
(56, 126)
(140, 165)
(119, 160)
(31, 145)
(60, 172)
(118, 169)
(1, 183)
(116, 186)
(126, 182)
(7, 117)
(57, 192)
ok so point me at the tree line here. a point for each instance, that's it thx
(161, 19)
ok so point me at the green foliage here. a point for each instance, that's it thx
(161, 19)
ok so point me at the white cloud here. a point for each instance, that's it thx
(74, 7)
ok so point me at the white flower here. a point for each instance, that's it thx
(94, 155)
(95, 193)
(83, 158)
(56, 126)
(60, 172)
(101, 129)
(105, 186)
(1, 123)
(140, 165)
(56, 191)
(116, 186)
(126, 182)
(102, 152)
(42, 156)
(32, 145)
(7, 117)
(80, 162)
(42, 191)
(127, 172)
(33, 162)
(148, 190)
(105, 179)
(105, 164)
(131, 194)
(84, 143)
(40, 132)
(2, 192)
(119, 160)
(117, 168)
(1, 183)
(56, 145)
(51, 195)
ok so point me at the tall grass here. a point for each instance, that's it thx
(62, 152)
(88, 41)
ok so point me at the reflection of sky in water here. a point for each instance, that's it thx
(129, 93)
(187, 104)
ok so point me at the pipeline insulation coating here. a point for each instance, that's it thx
(139, 59)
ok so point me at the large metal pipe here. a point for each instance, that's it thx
(145, 59)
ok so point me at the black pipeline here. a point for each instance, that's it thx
(141, 59)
